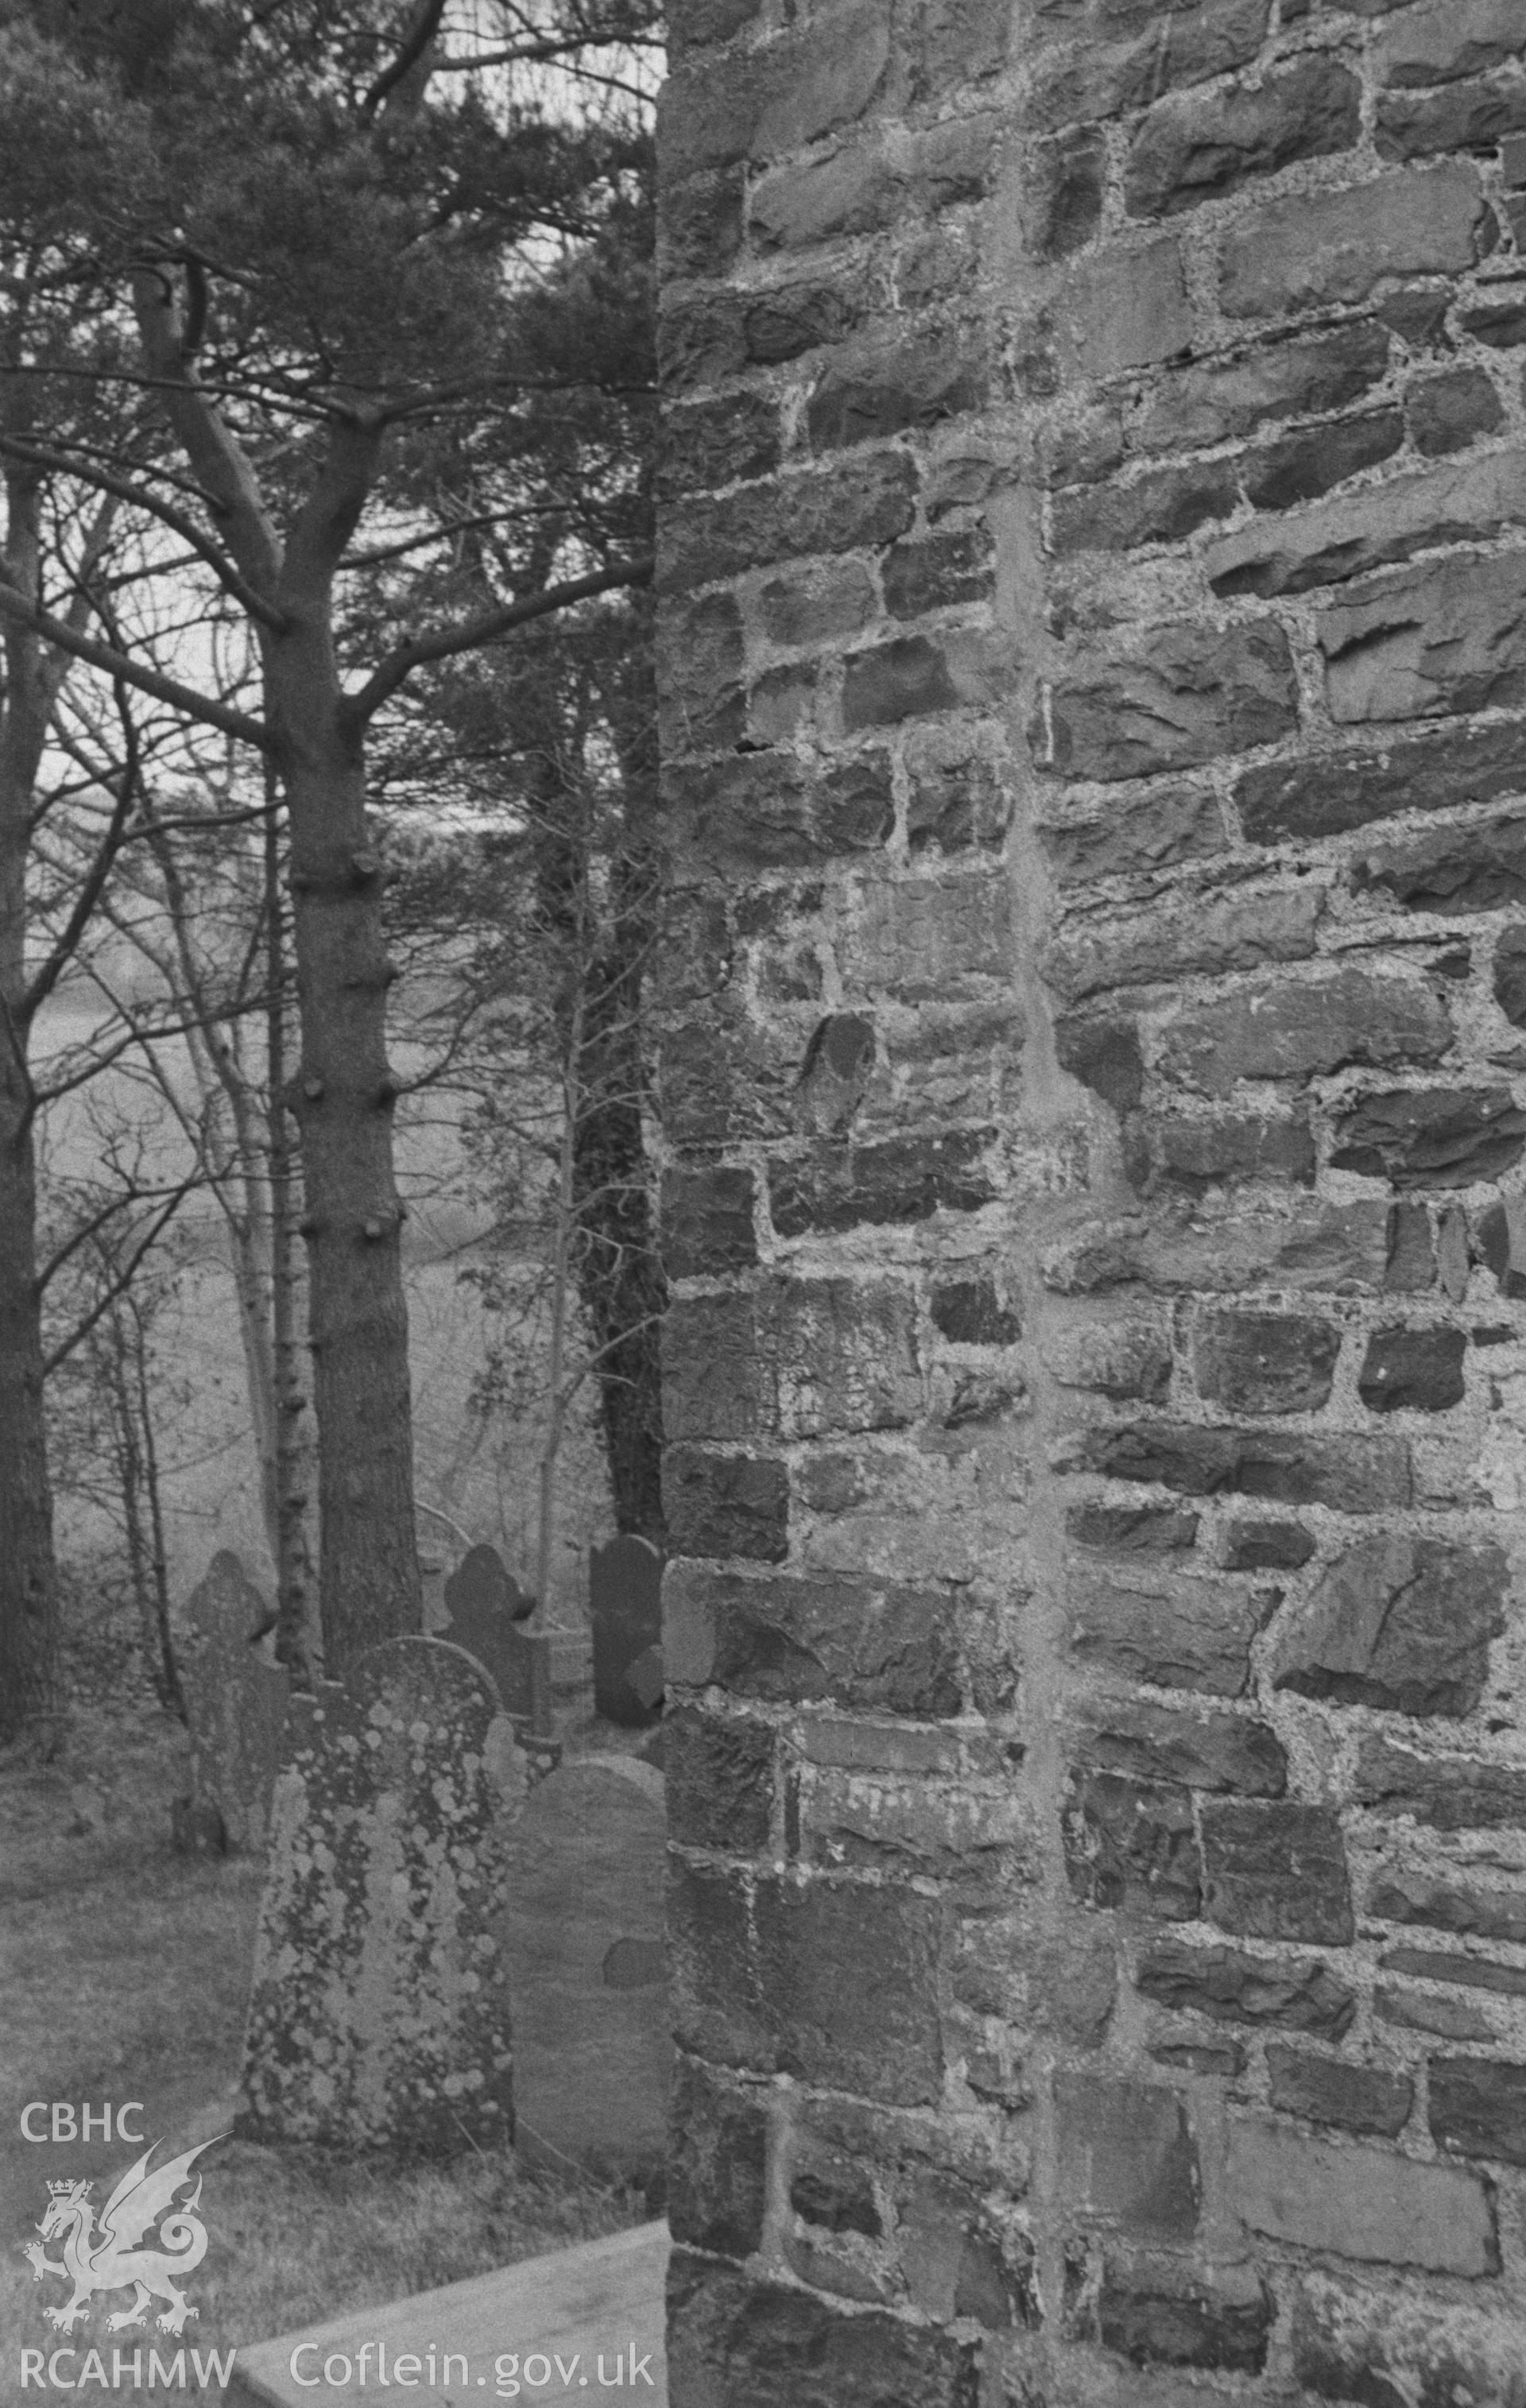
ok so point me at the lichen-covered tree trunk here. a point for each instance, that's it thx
(342, 1098)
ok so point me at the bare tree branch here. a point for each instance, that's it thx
(124, 490)
(82, 1236)
(379, 557)
(214, 453)
(14, 605)
(122, 1282)
(94, 882)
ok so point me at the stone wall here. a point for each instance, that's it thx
(1093, 573)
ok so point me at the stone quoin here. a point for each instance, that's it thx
(1092, 604)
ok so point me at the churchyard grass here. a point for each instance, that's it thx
(125, 1974)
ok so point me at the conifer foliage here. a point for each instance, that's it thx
(287, 283)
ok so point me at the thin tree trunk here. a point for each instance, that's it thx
(28, 1574)
(613, 1254)
(556, 1384)
(342, 1099)
(620, 1273)
(250, 1282)
(620, 1276)
(294, 1559)
(168, 1685)
(246, 1215)
(129, 1452)
(240, 1186)
(250, 1235)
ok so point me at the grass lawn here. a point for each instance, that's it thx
(123, 1975)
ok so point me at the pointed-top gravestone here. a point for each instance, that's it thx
(625, 1590)
(380, 2012)
(236, 1701)
(484, 1603)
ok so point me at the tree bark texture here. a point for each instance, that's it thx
(170, 1692)
(343, 1093)
(620, 1277)
(613, 1252)
(28, 1573)
(620, 1272)
(342, 1098)
(295, 1640)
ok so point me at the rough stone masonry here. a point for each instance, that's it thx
(1093, 593)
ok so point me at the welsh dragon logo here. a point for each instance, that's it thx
(111, 2260)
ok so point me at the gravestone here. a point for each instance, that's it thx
(485, 1604)
(625, 1592)
(380, 2013)
(236, 1702)
(583, 1940)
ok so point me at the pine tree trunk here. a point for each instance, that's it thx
(620, 1273)
(342, 1098)
(343, 1093)
(624, 1292)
